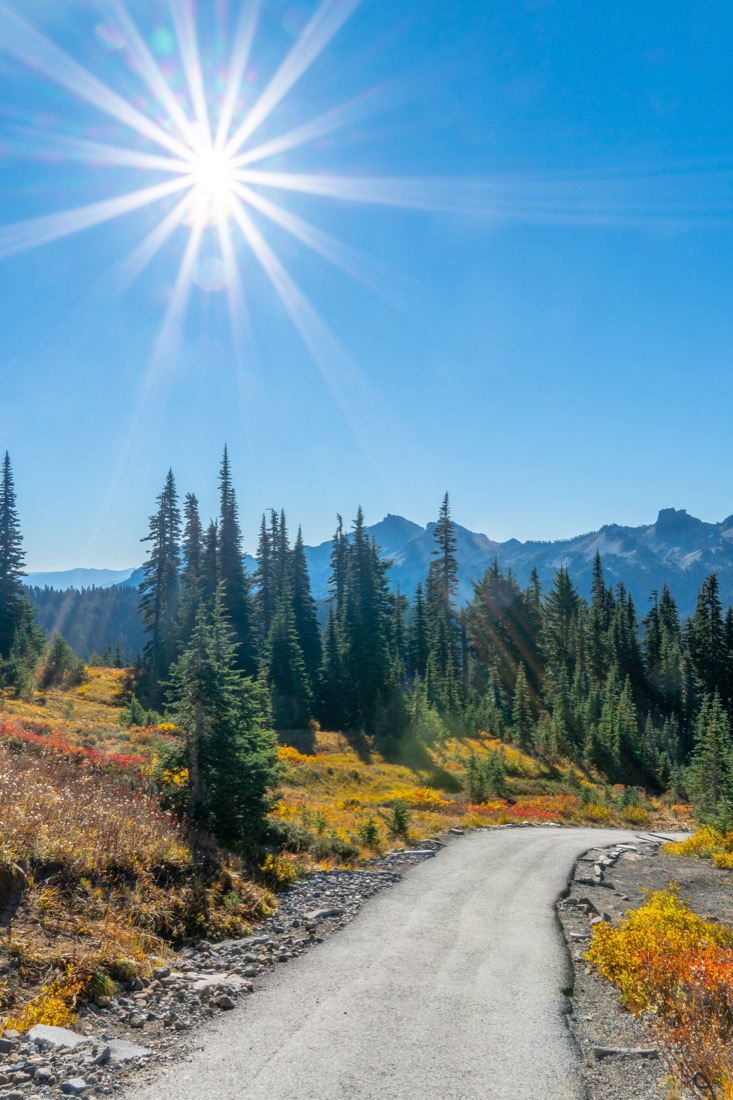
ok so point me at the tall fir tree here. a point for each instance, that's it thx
(292, 697)
(191, 585)
(265, 588)
(12, 561)
(237, 597)
(305, 613)
(160, 590)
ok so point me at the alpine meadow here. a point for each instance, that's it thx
(362, 732)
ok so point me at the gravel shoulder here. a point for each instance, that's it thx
(451, 984)
(598, 1021)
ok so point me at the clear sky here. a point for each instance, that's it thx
(541, 322)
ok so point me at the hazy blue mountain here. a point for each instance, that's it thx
(79, 578)
(676, 549)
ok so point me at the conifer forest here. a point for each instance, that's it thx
(641, 698)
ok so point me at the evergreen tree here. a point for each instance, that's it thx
(210, 565)
(304, 612)
(159, 590)
(237, 597)
(710, 775)
(365, 630)
(339, 565)
(418, 649)
(561, 611)
(331, 693)
(12, 560)
(444, 554)
(266, 593)
(706, 639)
(522, 711)
(23, 660)
(286, 673)
(192, 589)
(230, 754)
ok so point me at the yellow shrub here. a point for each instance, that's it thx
(54, 1005)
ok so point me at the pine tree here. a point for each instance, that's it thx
(230, 754)
(210, 565)
(12, 560)
(444, 554)
(192, 594)
(706, 638)
(561, 610)
(364, 630)
(331, 693)
(304, 612)
(285, 670)
(266, 594)
(418, 648)
(339, 566)
(522, 711)
(159, 590)
(237, 597)
(709, 777)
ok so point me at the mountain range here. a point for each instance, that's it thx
(677, 549)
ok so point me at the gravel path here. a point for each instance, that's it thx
(448, 985)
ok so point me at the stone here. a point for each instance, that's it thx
(76, 1086)
(7, 1046)
(324, 914)
(122, 1050)
(45, 1076)
(137, 1022)
(225, 1002)
(162, 972)
(102, 1057)
(457, 832)
(216, 981)
(14, 1096)
(59, 1038)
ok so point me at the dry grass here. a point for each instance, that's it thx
(335, 788)
(106, 880)
(110, 879)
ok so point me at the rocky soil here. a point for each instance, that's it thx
(153, 1019)
(621, 1060)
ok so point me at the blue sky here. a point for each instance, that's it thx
(550, 340)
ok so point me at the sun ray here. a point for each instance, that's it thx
(38, 231)
(243, 39)
(337, 253)
(149, 68)
(170, 329)
(326, 22)
(38, 52)
(239, 314)
(43, 143)
(346, 114)
(185, 26)
(149, 247)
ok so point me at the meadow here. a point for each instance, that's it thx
(98, 880)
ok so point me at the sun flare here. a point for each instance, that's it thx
(214, 180)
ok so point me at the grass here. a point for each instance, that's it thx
(107, 882)
(110, 880)
(333, 788)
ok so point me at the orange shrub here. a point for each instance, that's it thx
(677, 968)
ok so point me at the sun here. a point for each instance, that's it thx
(214, 180)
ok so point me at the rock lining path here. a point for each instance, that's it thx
(449, 984)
